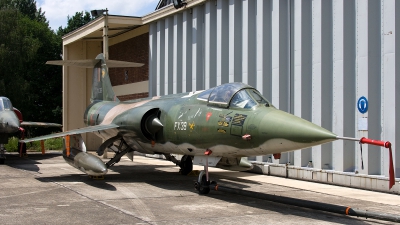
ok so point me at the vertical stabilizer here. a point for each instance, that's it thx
(101, 84)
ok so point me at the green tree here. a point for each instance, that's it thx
(74, 22)
(26, 43)
(26, 7)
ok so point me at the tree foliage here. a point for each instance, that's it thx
(74, 22)
(26, 43)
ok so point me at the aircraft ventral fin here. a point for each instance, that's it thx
(90, 63)
(71, 132)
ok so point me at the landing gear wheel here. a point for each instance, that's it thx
(186, 165)
(204, 186)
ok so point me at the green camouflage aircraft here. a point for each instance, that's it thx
(217, 127)
(11, 123)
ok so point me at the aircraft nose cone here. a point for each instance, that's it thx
(13, 125)
(10, 124)
(293, 132)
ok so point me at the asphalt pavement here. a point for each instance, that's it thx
(43, 189)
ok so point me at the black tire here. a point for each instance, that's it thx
(186, 165)
(2, 161)
(204, 187)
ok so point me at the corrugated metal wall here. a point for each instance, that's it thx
(314, 59)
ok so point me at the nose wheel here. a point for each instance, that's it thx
(202, 185)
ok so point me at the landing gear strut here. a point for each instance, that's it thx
(202, 185)
(2, 154)
(120, 151)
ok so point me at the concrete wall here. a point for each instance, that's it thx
(314, 59)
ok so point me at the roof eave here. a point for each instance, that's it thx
(169, 10)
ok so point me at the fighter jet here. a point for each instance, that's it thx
(217, 127)
(11, 122)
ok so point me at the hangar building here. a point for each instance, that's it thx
(331, 62)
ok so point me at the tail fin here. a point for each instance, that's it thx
(101, 84)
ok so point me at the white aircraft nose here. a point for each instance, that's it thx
(10, 123)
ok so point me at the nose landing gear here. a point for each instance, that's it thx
(202, 185)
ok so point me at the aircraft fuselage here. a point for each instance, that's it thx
(191, 126)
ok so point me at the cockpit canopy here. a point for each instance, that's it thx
(5, 104)
(233, 95)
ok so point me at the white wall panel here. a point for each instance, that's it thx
(388, 77)
(260, 45)
(160, 50)
(210, 29)
(186, 51)
(231, 40)
(168, 50)
(316, 75)
(396, 120)
(222, 44)
(338, 96)
(196, 46)
(297, 87)
(153, 59)
(175, 50)
(245, 43)
(362, 75)
(275, 53)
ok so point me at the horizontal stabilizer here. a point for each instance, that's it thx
(90, 63)
(40, 124)
(71, 132)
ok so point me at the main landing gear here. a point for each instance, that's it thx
(120, 150)
(186, 163)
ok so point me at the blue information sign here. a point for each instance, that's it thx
(362, 105)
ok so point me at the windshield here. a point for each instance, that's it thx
(247, 98)
(242, 100)
(205, 94)
(259, 98)
(5, 104)
(222, 95)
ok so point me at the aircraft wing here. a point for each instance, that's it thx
(71, 132)
(40, 124)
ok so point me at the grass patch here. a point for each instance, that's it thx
(53, 144)
(49, 144)
(12, 145)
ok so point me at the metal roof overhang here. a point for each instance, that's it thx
(117, 25)
(170, 10)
